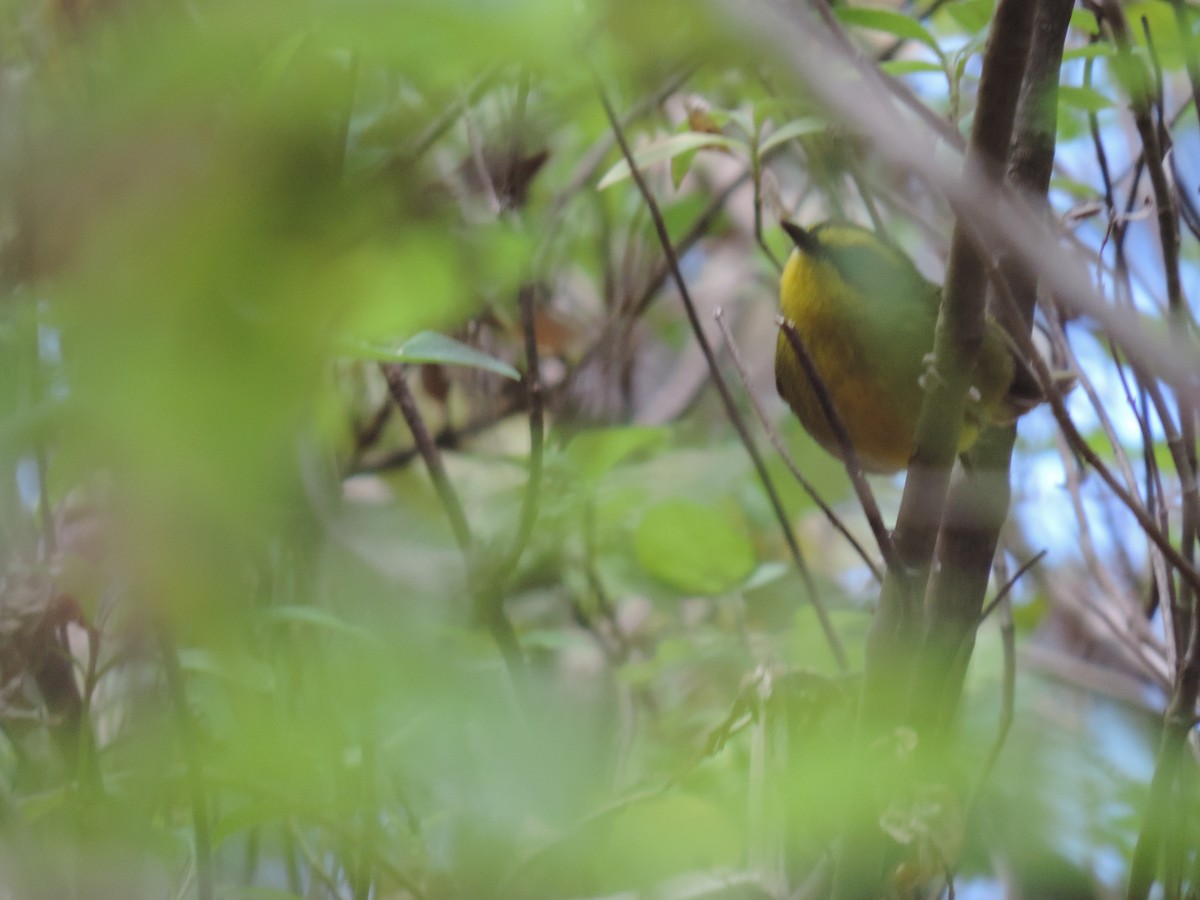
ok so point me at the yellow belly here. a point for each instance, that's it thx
(879, 417)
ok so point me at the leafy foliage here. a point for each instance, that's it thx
(246, 647)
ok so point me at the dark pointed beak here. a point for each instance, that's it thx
(803, 239)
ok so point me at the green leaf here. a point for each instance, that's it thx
(889, 22)
(428, 347)
(46, 802)
(680, 166)
(279, 58)
(1085, 98)
(250, 892)
(1075, 188)
(597, 451)
(316, 617)
(1098, 50)
(791, 130)
(721, 117)
(1085, 21)
(693, 548)
(1159, 18)
(910, 66)
(667, 148)
(243, 671)
(743, 119)
(972, 16)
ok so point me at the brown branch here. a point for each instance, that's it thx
(961, 321)
(537, 430)
(489, 602)
(1181, 712)
(447, 438)
(1153, 142)
(781, 448)
(978, 500)
(849, 457)
(398, 388)
(699, 228)
(1003, 593)
(959, 334)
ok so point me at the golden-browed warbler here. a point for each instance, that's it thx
(866, 317)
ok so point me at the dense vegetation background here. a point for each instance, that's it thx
(388, 501)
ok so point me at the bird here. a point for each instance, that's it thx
(866, 317)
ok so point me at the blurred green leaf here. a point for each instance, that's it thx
(1079, 189)
(911, 66)
(430, 347)
(1158, 17)
(1088, 51)
(693, 548)
(1084, 98)
(598, 450)
(235, 892)
(681, 164)
(272, 70)
(889, 22)
(791, 130)
(317, 618)
(744, 120)
(972, 16)
(641, 844)
(668, 148)
(240, 671)
(1084, 20)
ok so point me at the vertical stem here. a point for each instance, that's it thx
(892, 638)
(189, 738)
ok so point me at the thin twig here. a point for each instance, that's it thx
(489, 601)
(731, 409)
(1174, 613)
(1157, 103)
(781, 448)
(1191, 54)
(1180, 716)
(868, 202)
(315, 867)
(1008, 585)
(398, 387)
(1080, 445)
(846, 448)
(445, 120)
(1129, 611)
(537, 429)
(756, 171)
(447, 438)
(591, 161)
(482, 171)
(699, 228)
